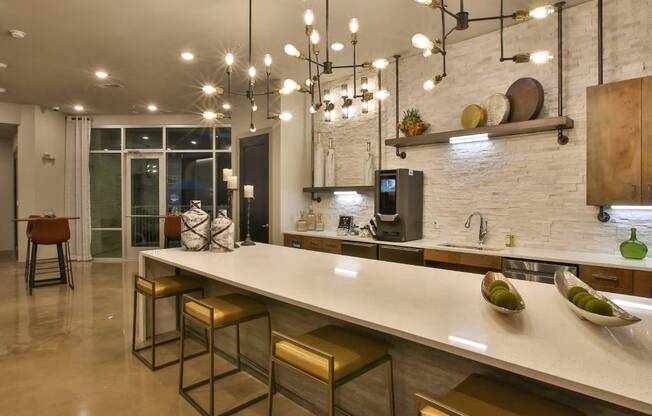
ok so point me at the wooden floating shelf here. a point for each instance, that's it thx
(502, 130)
(331, 189)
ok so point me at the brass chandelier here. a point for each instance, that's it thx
(462, 21)
(325, 100)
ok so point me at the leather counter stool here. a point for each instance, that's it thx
(153, 290)
(28, 234)
(217, 313)
(171, 229)
(50, 231)
(332, 356)
(481, 396)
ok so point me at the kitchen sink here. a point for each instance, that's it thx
(471, 247)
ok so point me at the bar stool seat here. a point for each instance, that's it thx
(169, 286)
(480, 396)
(350, 350)
(227, 309)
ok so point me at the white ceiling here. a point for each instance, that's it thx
(139, 41)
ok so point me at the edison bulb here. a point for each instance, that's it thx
(381, 95)
(542, 12)
(268, 60)
(291, 50)
(229, 58)
(252, 72)
(421, 41)
(354, 25)
(285, 116)
(541, 57)
(209, 115)
(314, 37)
(226, 106)
(337, 46)
(308, 17)
(380, 63)
(429, 85)
(209, 89)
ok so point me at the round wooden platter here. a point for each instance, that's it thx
(526, 99)
(473, 116)
(498, 108)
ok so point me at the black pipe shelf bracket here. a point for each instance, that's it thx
(562, 138)
(399, 154)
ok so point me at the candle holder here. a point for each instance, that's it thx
(248, 241)
(229, 209)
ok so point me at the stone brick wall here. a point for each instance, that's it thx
(527, 185)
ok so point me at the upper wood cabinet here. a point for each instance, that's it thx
(615, 143)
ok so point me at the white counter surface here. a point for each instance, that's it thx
(525, 253)
(444, 310)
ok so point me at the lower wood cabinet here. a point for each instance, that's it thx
(608, 279)
(326, 245)
(643, 284)
(470, 262)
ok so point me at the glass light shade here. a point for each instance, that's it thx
(380, 63)
(209, 115)
(308, 17)
(344, 90)
(540, 57)
(421, 41)
(354, 25)
(268, 60)
(365, 107)
(291, 50)
(364, 83)
(254, 106)
(327, 116)
(381, 95)
(314, 37)
(427, 53)
(252, 72)
(542, 12)
(209, 89)
(229, 59)
(252, 128)
(327, 96)
(285, 116)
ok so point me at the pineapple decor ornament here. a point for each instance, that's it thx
(412, 124)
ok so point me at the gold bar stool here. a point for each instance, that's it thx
(171, 229)
(332, 356)
(50, 231)
(482, 396)
(153, 290)
(218, 313)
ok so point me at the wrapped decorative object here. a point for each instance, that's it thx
(222, 233)
(195, 228)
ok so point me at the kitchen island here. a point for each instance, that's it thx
(423, 310)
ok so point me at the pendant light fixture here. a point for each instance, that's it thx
(252, 75)
(316, 69)
(462, 20)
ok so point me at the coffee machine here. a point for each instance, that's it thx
(398, 208)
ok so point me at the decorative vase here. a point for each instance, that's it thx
(222, 233)
(319, 163)
(195, 228)
(369, 167)
(632, 248)
(329, 180)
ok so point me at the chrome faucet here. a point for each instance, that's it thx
(484, 229)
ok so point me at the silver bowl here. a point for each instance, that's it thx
(566, 280)
(489, 278)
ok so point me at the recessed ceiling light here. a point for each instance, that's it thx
(337, 46)
(209, 89)
(3, 90)
(194, 142)
(152, 108)
(226, 106)
(79, 107)
(187, 56)
(17, 34)
(101, 74)
(3, 66)
(145, 137)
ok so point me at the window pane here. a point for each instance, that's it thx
(105, 190)
(105, 139)
(144, 138)
(189, 177)
(223, 138)
(144, 202)
(106, 243)
(189, 138)
(223, 162)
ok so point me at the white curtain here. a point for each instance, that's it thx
(77, 187)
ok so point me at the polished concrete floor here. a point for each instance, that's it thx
(65, 352)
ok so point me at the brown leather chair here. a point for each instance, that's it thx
(172, 229)
(50, 231)
(28, 233)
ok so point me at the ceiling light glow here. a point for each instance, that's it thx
(152, 108)
(79, 107)
(209, 115)
(380, 63)
(337, 46)
(229, 59)
(101, 75)
(187, 56)
(209, 89)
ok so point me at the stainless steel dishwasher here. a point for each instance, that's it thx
(405, 255)
(359, 249)
(535, 271)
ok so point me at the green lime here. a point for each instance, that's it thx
(498, 289)
(495, 293)
(579, 296)
(498, 283)
(599, 307)
(582, 302)
(574, 291)
(505, 300)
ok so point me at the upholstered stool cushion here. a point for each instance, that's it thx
(480, 396)
(351, 351)
(227, 309)
(169, 285)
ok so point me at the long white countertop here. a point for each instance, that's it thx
(525, 253)
(444, 310)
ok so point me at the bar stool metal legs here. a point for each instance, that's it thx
(209, 323)
(148, 288)
(62, 262)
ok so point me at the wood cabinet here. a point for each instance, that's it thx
(646, 126)
(326, 245)
(480, 261)
(608, 279)
(643, 284)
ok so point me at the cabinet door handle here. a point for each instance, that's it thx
(605, 277)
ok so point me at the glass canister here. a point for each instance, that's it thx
(632, 248)
(302, 224)
(311, 219)
(320, 223)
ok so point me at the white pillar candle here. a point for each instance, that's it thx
(232, 183)
(226, 174)
(248, 191)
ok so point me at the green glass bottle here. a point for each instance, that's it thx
(632, 248)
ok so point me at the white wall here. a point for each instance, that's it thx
(7, 192)
(527, 185)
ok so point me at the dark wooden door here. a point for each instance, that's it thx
(254, 170)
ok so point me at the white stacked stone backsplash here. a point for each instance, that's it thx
(528, 185)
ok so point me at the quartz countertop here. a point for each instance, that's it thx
(443, 309)
(525, 253)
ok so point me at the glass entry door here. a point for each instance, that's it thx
(145, 188)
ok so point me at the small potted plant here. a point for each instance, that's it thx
(412, 124)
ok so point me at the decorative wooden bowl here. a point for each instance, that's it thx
(413, 129)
